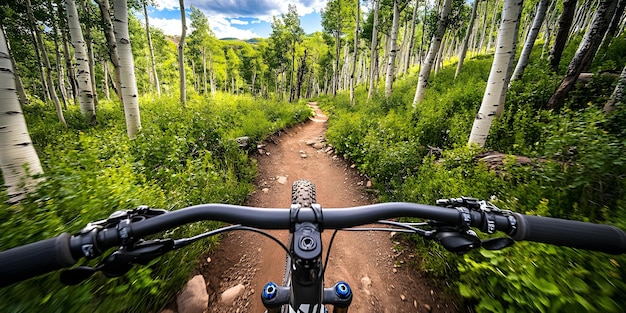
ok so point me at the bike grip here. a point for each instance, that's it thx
(574, 234)
(37, 258)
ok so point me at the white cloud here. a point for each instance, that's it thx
(238, 22)
(219, 24)
(172, 27)
(305, 7)
(167, 4)
(223, 28)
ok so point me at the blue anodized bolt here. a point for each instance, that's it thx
(269, 291)
(342, 289)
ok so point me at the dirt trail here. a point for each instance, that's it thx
(375, 267)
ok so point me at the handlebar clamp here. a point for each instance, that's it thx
(317, 213)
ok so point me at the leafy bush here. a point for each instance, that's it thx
(181, 157)
(522, 279)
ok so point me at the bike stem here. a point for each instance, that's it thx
(307, 279)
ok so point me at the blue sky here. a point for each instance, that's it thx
(241, 19)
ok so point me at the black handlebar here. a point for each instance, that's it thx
(45, 256)
(35, 259)
(333, 218)
(574, 234)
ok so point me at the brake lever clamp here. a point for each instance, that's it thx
(488, 211)
(139, 213)
(86, 238)
(471, 203)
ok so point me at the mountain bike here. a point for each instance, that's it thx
(451, 222)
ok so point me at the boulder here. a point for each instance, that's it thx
(194, 297)
(229, 296)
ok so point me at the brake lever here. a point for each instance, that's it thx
(121, 261)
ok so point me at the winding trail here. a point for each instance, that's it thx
(373, 264)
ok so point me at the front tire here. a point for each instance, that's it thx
(302, 193)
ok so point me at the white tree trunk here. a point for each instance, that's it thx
(105, 71)
(493, 24)
(204, 82)
(356, 51)
(401, 54)
(57, 52)
(107, 29)
(547, 28)
(211, 74)
(345, 81)
(48, 82)
(393, 50)
(373, 49)
(85, 8)
(468, 33)
(16, 147)
(336, 68)
(499, 75)
(587, 10)
(435, 44)
(530, 40)
(484, 27)
(181, 55)
(23, 97)
(157, 84)
(128, 83)
(411, 38)
(83, 74)
(439, 55)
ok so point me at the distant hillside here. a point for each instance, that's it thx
(176, 39)
(252, 40)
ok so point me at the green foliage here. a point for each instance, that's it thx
(522, 127)
(612, 57)
(180, 158)
(577, 172)
(596, 92)
(520, 279)
(592, 165)
(457, 18)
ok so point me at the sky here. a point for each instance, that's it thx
(242, 19)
